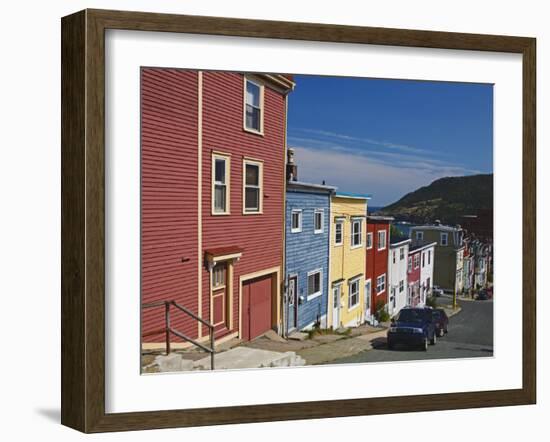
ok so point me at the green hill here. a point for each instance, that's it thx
(446, 199)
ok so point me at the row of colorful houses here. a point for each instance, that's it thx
(230, 233)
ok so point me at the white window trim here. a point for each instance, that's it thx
(401, 253)
(262, 107)
(322, 229)
(360, 221)
(446, 236)
(341, 224)
(409, 264)
(350, 282)
(385, 284)
(260, 164)
(419, 236)
(320, 292)
(378, 240)
(416, 261)
(227, 159)
(299, 228)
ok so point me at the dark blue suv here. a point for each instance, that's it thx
(412, 327)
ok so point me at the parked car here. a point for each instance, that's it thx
(412, 327)
(482, 295)
(441, 321)
(437, 291)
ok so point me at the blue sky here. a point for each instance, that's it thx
(389, 137)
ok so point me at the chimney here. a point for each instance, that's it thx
(291, 167)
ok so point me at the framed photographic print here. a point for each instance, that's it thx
(268, 221)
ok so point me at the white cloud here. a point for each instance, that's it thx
(387, 179)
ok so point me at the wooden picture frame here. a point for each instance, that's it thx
(83, 220)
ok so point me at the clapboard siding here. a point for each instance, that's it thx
(307, 251)
(260, 236)
(170, 229)
(169, 174)
(377, 260)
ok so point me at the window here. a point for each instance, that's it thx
(423, 260)
(296, 220)
(356, 239)
(381, 240)
(218, 275)
(429, 256)
(419, 236)
(353, 300)
(381, 284)
(401, 254)
(416, 260)
(401, 285)
(313, 284)
(369, 240)
(220, 184)
(338, 233)
(253, 117)
(409, 264)
(393, 256)
(318, 221)
(252, 179)
(444, 239)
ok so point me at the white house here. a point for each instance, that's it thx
(426, 271)
(397, 274)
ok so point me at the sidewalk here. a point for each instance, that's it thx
(326, 346)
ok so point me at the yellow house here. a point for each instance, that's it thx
(347, 260)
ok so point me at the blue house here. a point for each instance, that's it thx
(307, 246)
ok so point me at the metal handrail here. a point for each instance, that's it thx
(168, 329)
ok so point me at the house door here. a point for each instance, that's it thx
(219, 301)
(336, 293)
(292, 303)
(256, 307)
(368, 300)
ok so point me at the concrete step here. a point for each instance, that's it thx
(245, 357)
(298, 336)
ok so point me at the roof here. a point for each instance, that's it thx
(310, 186)
(420, 247)
(439, 227)
(361, 196)
(399, 241)
(380, 218)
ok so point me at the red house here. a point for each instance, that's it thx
(378, 240)
(212, 202)
(413, 276)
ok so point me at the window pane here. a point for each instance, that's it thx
(219, 198)
(252, 118)
(252, 199)
(317, 282)
(318, 220)
(252, 94)
(252, 175)
(220, 171)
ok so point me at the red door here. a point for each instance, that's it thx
(256, 307)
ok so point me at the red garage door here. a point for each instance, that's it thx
(256, 307)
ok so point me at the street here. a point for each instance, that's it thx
(470, 335)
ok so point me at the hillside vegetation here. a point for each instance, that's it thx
(446, 199)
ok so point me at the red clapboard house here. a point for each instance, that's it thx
(212, 213)
(413, 276)
(378, 239)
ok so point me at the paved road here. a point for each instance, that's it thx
(470, 335)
